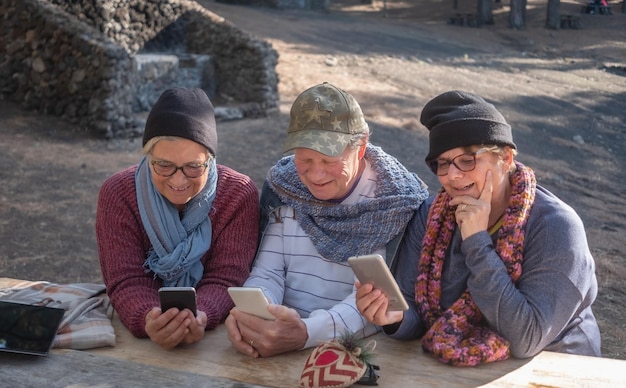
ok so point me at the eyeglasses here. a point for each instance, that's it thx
(463, 162)
(190, 170)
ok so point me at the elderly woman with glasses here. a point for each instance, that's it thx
(176, 219)
(494, 265)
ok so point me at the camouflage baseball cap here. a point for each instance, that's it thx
(324, 118)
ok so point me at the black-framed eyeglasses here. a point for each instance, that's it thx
(463, 162)
(190, 170)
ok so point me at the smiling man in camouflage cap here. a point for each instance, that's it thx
(335, 197)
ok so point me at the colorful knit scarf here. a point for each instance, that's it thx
(459, 335)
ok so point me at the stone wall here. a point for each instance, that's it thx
(77, 59)
(52, 63)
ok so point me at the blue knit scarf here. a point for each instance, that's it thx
(339, 231)
(177, 244)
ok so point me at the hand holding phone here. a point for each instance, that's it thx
(179, 297)
(251, 300)
(373, 269)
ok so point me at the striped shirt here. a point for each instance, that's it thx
(291, 272)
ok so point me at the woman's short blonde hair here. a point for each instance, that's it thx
(147, 148)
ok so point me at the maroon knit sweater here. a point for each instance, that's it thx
(123, 246)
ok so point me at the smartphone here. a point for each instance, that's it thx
(373, 269)
(251, 300)
(179, 297)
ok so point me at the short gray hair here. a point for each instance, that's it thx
(357, 140)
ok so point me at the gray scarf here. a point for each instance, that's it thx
(339, 231)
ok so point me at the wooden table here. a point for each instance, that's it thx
(214, 363)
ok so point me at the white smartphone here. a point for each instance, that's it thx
(251, 300)
(179, 297)
(373, 269)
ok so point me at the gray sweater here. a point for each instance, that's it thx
(550, 306)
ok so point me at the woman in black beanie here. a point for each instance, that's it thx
(502, 265)
(176, 219)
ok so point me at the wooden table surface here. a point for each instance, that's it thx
(214, 363)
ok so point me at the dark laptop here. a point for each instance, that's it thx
(28, 329)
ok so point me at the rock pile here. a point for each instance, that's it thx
(79, 59)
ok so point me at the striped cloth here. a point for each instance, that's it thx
(88, 312)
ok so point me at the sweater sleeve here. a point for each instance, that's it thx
(122, 247)
(235, 219)
(411, 326)
(556, 285)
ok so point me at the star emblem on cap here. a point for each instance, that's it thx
(336, 124)
(315, 114)
(324, 136)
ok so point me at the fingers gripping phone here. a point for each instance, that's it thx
(251, 300)
(179, 297)
(373, 269)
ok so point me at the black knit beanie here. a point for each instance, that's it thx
(460, 119)
(186, 113)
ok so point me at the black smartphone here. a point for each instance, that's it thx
(179, 297)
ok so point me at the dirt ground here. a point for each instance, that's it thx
(563, 91)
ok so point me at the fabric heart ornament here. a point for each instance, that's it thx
(337, 363)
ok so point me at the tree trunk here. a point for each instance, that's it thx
(553, 16)
(517, 16)
(484, 12)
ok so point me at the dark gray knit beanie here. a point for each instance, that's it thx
(460, 119)
(186, 113)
